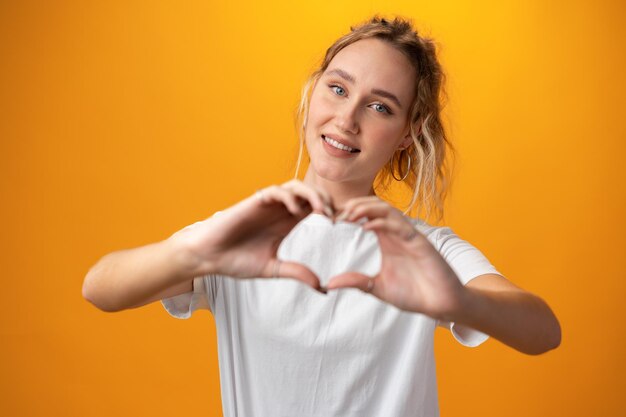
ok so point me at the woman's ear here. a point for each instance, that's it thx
(408, 140)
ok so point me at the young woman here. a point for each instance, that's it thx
(350, 333)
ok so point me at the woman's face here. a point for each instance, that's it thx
(362, 102)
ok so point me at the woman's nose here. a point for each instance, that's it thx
(346, 120)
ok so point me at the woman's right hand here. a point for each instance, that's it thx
(242, 241)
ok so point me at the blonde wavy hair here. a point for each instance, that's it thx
(429, 172)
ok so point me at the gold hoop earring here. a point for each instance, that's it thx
(408, 168)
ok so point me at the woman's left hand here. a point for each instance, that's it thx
(413, 274)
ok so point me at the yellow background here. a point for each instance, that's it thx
(122, 122)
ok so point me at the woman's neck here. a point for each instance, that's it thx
(340, 192)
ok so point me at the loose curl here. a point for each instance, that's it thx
(429, 172)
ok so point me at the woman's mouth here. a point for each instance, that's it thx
(333, 143)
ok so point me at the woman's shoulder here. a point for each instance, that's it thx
(422, 225)
(434, 233)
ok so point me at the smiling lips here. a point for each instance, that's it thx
(338, 145)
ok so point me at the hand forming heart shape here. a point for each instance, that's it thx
(242, 242)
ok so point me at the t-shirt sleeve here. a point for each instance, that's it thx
(202, 297)
(468, 263)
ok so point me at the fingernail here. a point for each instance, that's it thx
(328, 211)
(323, 290)
(342, 216)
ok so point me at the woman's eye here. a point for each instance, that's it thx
(338, 90)
(380, 108)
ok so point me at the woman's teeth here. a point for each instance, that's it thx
(338, 145)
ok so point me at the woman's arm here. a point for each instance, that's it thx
(241, 242)
(415, 277)
(493, 305)
(134, 277)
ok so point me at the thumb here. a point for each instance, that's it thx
(294, 270)
(353, 280)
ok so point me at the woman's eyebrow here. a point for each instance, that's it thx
(388, 95)
(350, 78)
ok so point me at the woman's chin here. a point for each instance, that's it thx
(330, 173)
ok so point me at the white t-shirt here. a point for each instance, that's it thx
(286, 350)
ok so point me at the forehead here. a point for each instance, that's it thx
(376, 64)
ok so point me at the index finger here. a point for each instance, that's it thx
(321, 198)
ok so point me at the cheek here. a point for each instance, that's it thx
(317, 107)
(314, 120)
(393, 132)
